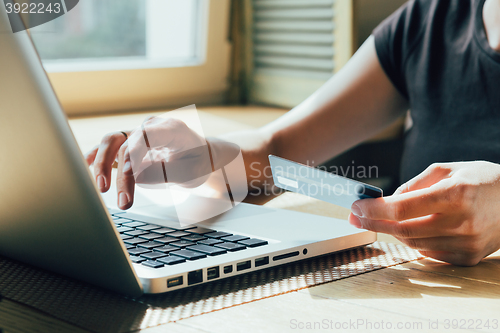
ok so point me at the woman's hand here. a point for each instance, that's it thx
(163, 149)
(450, 212)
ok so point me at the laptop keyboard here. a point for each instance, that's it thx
(156, 246)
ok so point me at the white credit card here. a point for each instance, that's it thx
(320, 184)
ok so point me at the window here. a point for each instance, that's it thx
(122, 34)
(118, 55)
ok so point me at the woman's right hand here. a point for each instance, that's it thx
(161, 150)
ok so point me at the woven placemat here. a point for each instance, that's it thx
(102, 311)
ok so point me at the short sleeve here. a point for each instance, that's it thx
(395, 38)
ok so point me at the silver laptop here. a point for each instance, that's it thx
(52, 216)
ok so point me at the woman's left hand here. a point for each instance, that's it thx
(450, 212)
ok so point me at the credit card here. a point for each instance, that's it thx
(320, 184)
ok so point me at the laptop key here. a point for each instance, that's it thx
(121, 219)
(218, 234)
(210, 250)
(171, 260)
(134, 241)
(167, 240)
(200, 231)
(163, 230)
(234, 238)
(182, 243)
(153, 255)
(150, 236)
(179, 228)
(136, 232)
(166, 249)
(138, 251)
(194, 238)
(152, 264)
(129, 246)
(123, 229)
(189, 255)
(231, 246)
(178, 234)
(253, 242)
(150, 245)
(149, 227)
(123, 236)
(134, 224)
(210, 241)
(136, 259)
(114, 212)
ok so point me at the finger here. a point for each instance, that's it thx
(439, 244)
(434, 225)
(125, 184)
(152, 173)
(127, 167)
(105, 157)
(427, 178)
(189, 172)
(458, 259)
(138, 149)
(90, 156)
(404, 206)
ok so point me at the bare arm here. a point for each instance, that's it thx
(354, 105)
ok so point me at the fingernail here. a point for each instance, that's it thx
(354, 220)
(123, 199)
(356, 210)
(101, 182)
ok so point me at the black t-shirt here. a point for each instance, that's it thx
(437, 55)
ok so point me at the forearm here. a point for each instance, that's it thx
(255, 147)
(354, 105)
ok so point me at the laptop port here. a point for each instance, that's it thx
(261, 261)
(228, 269)
(243, 265)
(195, 277)
(212, 273)
(286, 256)
(176, 281)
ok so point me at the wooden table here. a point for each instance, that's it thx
(423, 296)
